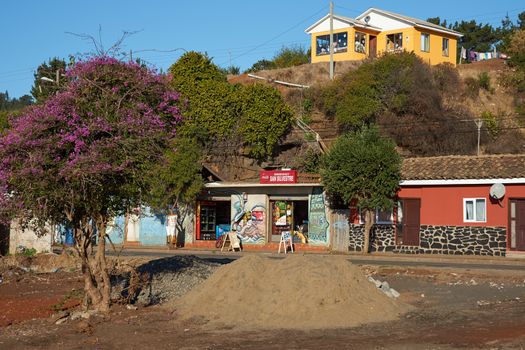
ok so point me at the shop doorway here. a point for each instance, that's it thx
(289, 216)
(213, 218)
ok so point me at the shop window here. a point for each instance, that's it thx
(213, 217)
(425, 42)
(360, 42)
(394, 42)
(474, 210)
(445, 47)
(323, 43)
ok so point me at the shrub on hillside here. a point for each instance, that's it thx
(285, 57)
(403, 95)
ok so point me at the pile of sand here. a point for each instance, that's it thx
(301, 292)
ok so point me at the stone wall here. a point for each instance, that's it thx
(455, 240)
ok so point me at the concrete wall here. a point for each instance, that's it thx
(28, 239)
(151, 228)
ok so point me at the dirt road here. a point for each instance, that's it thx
(454, 309)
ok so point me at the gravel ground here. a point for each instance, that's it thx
(162, 280)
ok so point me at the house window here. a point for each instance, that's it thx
(445, 47)
(394, 42)
(474, 210)
(425, 42)
(382, 217)
(323, 43)
(360, 42)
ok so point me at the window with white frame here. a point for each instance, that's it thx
(425, 42)
(394, 42)
(360, 42)
(445, 47)
(474, 210)
(382, 217)
(340, 43)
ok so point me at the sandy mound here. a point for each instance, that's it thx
(302, 292)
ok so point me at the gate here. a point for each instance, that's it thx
(340, 228)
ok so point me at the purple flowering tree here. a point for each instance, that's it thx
(83, 156)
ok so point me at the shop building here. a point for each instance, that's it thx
(260, 211)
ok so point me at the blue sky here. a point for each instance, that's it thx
(240, 32)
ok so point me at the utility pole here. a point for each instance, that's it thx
(479, 124)
(331, 40)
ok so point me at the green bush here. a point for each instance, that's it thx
(484, 82)
(265, 119)
(309, 162)
(285, 57)
(291, 56)
(472, 87)
(29, 252)
(491, 123)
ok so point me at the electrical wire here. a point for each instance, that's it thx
(275, 37)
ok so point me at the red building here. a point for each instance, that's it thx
(445, 207)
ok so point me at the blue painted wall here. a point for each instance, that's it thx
(116, 231)
(152, 228)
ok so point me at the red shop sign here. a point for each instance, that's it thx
(278, 177)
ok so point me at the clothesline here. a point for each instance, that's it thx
(474, 56)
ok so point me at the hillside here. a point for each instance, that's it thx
(501, 133)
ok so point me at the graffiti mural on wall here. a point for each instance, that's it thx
(318, 223)
(249, 220)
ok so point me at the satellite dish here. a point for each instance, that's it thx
(367, 19)
(497, 191)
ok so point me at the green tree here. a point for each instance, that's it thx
(49, 79)
(255, 117)
(504, 34)
(476, 36)
(265, 119)
(80, 157)
(521, 20)
(363, 168)
(212, 102)
(192, 69)
(517, 49)
(437, 21)
(177, 180)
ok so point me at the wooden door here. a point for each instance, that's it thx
(410, 221)
(373, 46)
(340, 229)
(517, 224)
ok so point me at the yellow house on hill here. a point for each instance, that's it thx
(375, 32)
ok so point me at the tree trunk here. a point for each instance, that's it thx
(97, 284)
(369, 222)
(105, 281)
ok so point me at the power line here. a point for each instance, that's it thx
(277, 36)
